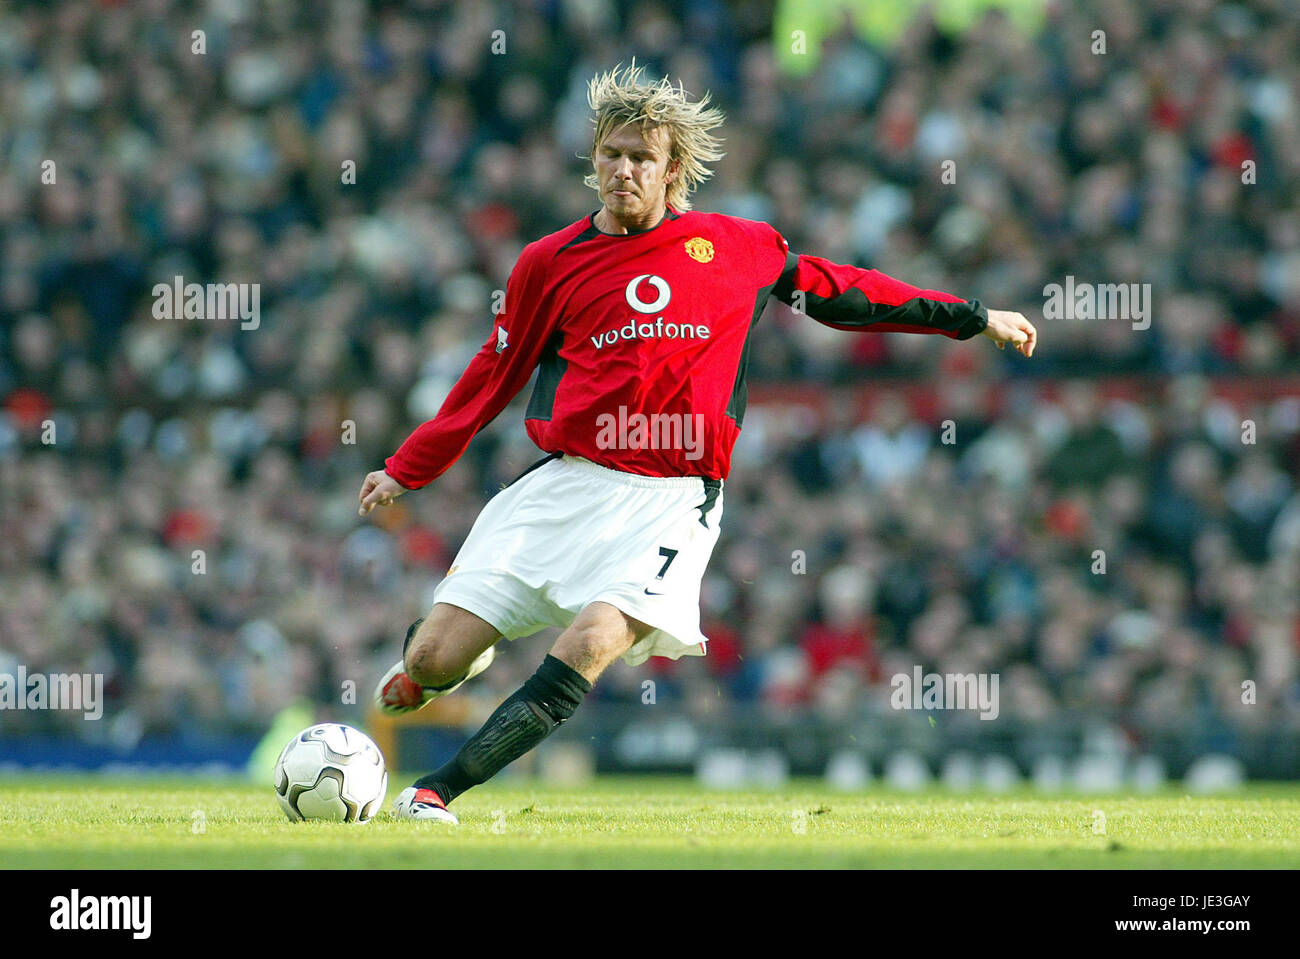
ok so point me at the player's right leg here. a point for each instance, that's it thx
(600, 634)
(442, 651)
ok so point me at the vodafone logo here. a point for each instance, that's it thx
(658, 283)
(646, 330)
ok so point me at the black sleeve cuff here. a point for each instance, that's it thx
(977, 324)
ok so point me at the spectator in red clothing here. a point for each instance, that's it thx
(844, 636)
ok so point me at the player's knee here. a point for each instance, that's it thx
(429, 665)
(590, 647)
(598, 645)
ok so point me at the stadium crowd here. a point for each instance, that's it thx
(1112, 526)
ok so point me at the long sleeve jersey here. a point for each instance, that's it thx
(641, 342)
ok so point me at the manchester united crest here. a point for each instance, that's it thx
(698, 248)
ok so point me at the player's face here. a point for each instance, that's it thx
(634, 171)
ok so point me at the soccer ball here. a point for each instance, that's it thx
(330, 771)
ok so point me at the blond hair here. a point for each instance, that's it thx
(623, 96)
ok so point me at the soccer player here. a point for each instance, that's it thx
(638, 321)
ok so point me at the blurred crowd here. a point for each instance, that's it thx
(178, 497)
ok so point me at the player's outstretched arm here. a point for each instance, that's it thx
(850, 298)
(379, 489)
(1007, 326)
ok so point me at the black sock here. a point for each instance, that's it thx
(549, 697)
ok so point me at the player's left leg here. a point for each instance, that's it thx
(600, 634)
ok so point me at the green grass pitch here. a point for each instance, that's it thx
(645, 823)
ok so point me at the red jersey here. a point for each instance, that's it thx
(641, 342)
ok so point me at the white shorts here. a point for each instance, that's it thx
(569, 533)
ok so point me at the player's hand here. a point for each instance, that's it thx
(379, 489)
(1006, 327)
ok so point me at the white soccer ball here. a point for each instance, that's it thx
(330, 771)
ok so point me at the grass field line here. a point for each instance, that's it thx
(53, 822)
